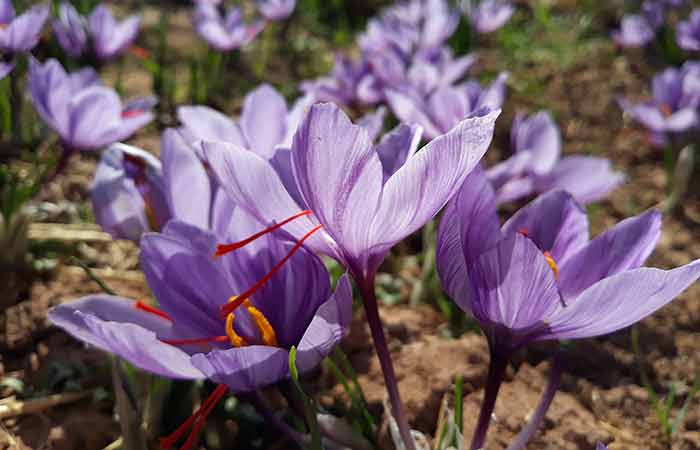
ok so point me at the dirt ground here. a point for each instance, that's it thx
(602, 397)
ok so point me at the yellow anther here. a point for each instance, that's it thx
(552, 264)
(235, 339)
(267, 333)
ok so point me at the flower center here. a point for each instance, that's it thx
(666, 110)
(267, 333)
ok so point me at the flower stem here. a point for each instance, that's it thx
(553, 382)
(16, 105)
(375, 325)
(497, 369)
(258, 402)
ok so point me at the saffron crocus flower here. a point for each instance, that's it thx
(447, 106)
(638, 30)
(224, 32)
(85, 114)
(108, 37)
(537, 166)
(488, 15)
(348, 188)
(540, 278)
(688, 32)
(276, 9)
(673, 107)
(349, 83)
(188, 339)
(21, 33)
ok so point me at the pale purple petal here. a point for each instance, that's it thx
(5, 69)
(69, 29)
(373, 122)
(263, 120)
(587, 178)
(397, 147)
(207, 124)
(412, 111)
(634, 31)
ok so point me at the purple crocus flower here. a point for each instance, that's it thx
(188, 339)
(349, 83)
(224, 32)
(108, 37)
(334, 163)
(688, 32)
(673, 107)
(276, 9)
(488, 15)
(537, 166)
(635, 31)
(448, 105)
(21, 33)
(85, 114)
(540, 278)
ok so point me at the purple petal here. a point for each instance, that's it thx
(634, 31)
(411, 111)
(94, 113)
(339, 175)
(22, 34)
(411, 196)
(513, 286)
(539, 135)
(397, 147)
(7, 11)
(619, 301)
(186, 181)
(623, 247)
(373, 122)
(587, 178)
(69, 29)
(207, 124)
(113, 324)
(276, 9)
(555, 222)
(263, 120)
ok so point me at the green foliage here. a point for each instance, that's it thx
(307, 402)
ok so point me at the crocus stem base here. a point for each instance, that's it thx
(497, 369)
(553, 383)
(375, 325)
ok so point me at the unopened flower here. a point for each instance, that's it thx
(85, 114)
(108, 37)
(21, 33)
(227, 31)
(245, 350)
(537, 166)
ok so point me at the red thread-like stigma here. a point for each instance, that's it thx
(230, 307)
(196, 421)
(152, 310)
(228, 248)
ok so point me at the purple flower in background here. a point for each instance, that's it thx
(188, 339)
(334, 163)
(673, 107)
(128, 193)
(688, 32)
(635, 31)
(448, 105)
(539, 277)
(227, 31)
(85, 114)
(109, 38)
(349, 83)
(537, 166)
(488, 15)
(69, 29)
(276, 9)
(21, 33)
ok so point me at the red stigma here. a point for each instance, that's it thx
(230, 307)
(223, 249)
(131, 113)
(196, 421)
(524, 231)
(139, 52)
(152, 310)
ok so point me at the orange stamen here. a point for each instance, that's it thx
(267, 333)
(228, 248)
(195, 341)
(196, 421)
(234, 338)
(152, 310)
(552, 263)
(235, 302)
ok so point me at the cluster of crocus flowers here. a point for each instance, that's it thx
(536, 165)
(539, 277)
(404, 48)
(278, 296)
(673, 108)
(487, 16)
(99, 31)
(84, 113)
